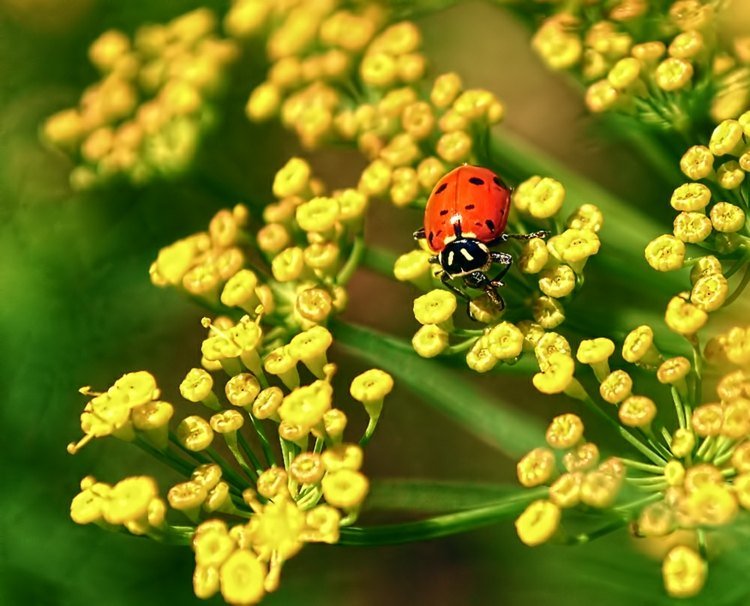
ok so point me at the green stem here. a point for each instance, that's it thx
(740, 287)
(355, 257)
(264, 443)
(642, 466)
(625, 434)
(440, 526)
(166, 457)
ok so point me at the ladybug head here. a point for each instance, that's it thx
(463, 256)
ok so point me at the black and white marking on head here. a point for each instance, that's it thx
(463, 256)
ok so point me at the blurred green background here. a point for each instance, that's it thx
(78, 309)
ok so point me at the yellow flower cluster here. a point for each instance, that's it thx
(340, 76)
(130, 407)
(712, 216)
(696, 472)
(317, 488)
(310, 241)
(581, 479)
(145, 116)
(550, 274)
(662, 66)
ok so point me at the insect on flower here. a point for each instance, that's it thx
(466, 214)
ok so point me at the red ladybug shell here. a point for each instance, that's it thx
(471, 199)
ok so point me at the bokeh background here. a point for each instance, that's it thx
(78, 309)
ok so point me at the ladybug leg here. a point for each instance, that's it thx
(480, 280)
(445, 279)
(503, 259)
(543, 233)
(419, 234)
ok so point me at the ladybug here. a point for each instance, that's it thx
(466, 214)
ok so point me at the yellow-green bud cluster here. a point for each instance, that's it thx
(144, 118)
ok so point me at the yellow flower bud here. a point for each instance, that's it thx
(557, 281)
(686, 45)
(310, 348)
(242, 389)
(239, 291)
(737, 346)
(599, 489)
(370, 388)
(742, 489)
(401, 151)
(649, 52)
(505, 341)
(272, 482)
(558, 376)
(534, 256)
(656, 520)
(710, 292)
(345, 489)
(692, 227)
(305, 406)
(539, 197)
(405, 187)
(683, 442)
(726, 138)
(586, 216)
(532, 334)
(479, 358)
(601, 96)
(536, 467)
(565, 492)
(673, 370)
(436, 307)
(665, 253)
(242, 577)
(638, 347)
(429, 172)
(187, 497)
(624, 73)
(314, 305)
(152, 419)
(548, 312)
(334, 422)
(318, 215)
(129, 499)
(616, 387)
(547, 344)
(583, 458)
(683, 317)
(195, 433)
(430, 340)
(736, 424)
(342, 456)
(280, 362)
(684, 572)
(707, 420)
(264, 102)
(418, 120)
(538, 523)
(288, 264)
(378, 69)
(730, 175)
(376, 178)
(246, 18)
(267, 403)
(673, 74)
(207, 475)
(454, 147)
(197, 386)
(637, 411)
(445, 90)
(710, 504)
(414, 267)
(697, 162)
(307, 468)
(411, 67)
(727, 218)
(293, 179)
(565, 431)
(690, 197)
(574, 246)
(734, 385)
(596, 353)
(557, 44)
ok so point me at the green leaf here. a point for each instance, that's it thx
(493, 421)
(429, 496)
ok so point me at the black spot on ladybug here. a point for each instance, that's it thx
(476, 181)
(490, 224)
(443, 212)
(477, 223)
(440, 189)
(469, 207)
(431, 237)
(498, 181)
